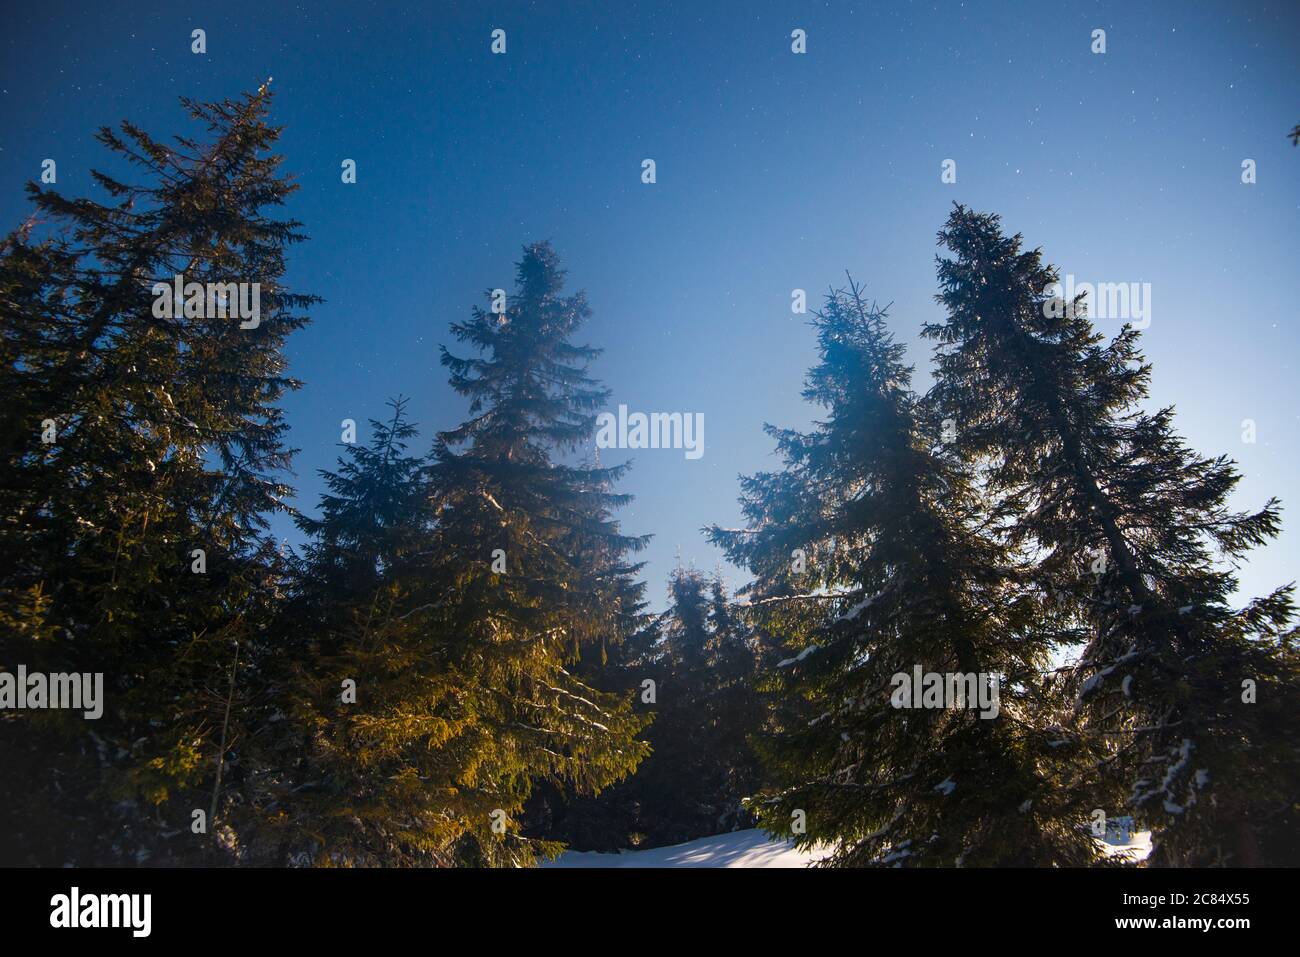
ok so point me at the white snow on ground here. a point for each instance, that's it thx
(1137, 849)
(751, 848)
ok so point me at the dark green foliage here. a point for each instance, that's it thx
(371, 764)
(169, 439)
(1132, 535)
(693, 672)
(459, 668)
(505, 496)
(702, 766)
(871, 559)
(226, 672)
(472, 597)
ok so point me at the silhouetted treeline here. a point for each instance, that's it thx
(694, 668)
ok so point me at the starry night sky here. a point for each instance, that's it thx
(775, 171)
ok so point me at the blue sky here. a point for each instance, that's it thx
(775, 171)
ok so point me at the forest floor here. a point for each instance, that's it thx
(751, 848)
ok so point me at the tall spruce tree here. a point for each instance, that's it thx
(870, 561)
(1190, 698)
(382, 719)
(527, 570)
(142, 453)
